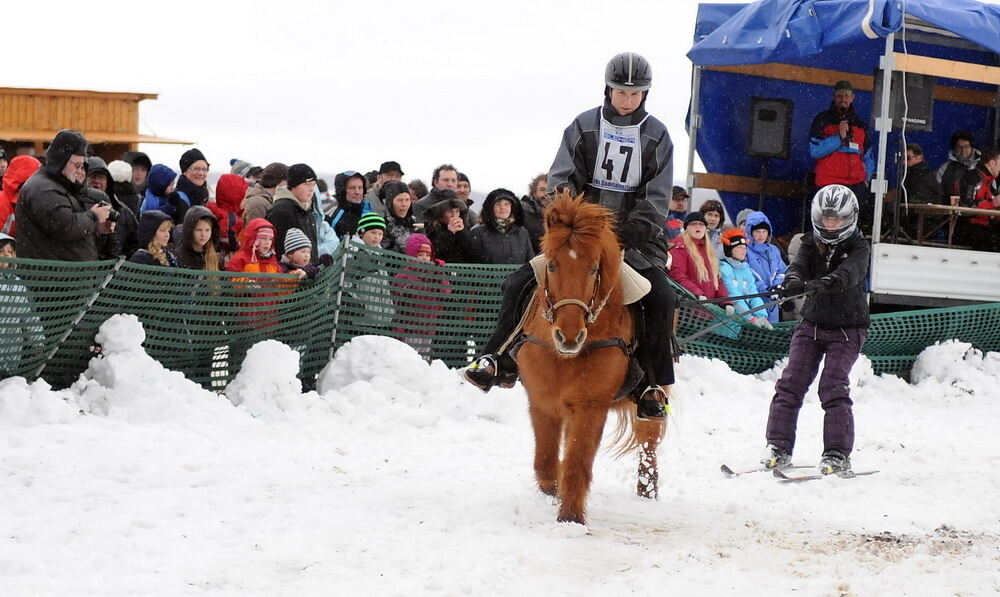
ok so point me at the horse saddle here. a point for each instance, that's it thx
(634, 285)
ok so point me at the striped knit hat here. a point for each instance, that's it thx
(295, 239)
(371, 221)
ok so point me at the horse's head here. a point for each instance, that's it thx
(583, 260)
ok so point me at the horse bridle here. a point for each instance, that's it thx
(592, 312)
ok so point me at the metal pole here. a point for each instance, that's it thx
(345, 247)
(883, 124)
(694, 125)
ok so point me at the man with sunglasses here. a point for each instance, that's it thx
(53, 222)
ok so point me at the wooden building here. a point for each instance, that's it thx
(30, 118)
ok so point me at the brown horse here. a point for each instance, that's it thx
(575, 359)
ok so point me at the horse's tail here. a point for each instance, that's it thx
(630, 433)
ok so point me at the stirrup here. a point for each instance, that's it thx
(483, 373)
(652, 405)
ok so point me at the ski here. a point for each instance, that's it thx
(783, 476)
(729, 472)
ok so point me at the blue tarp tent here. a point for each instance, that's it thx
(780, 30)
(832, 40)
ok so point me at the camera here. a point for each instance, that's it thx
(113, 214)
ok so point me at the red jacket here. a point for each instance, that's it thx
(684, 272)
(983, 199)
(245, 260)
(19, 170)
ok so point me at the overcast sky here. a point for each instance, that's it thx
(487, 87)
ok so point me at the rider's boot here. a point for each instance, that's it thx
(653, 404)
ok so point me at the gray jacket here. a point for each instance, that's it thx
(639, 199)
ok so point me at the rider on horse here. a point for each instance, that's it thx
(621, 157)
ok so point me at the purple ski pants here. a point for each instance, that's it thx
(841, 347)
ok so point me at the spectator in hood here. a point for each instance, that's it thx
(296, 209)
(256, 254)
(764, 258)
(21, 168)
(502, 237)
(448, 232)
(154, 237)
(125, 240)
(122, 187)
(162, 194)
(388, 172)
(230, 191)
(958, 175)
(193, 180)
(199, 238)
(52, 220)
(351, 204)
(98, 176)
(398, 216)
(533, 205)
(260, 197)
(141, 165)
(109, 246)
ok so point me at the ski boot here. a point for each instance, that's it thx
(833, 462)
(775, 457)
(652, 405)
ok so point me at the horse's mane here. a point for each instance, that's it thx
(581, 226)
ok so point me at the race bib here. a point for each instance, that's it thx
(619, 158)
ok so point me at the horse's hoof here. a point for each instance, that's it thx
(549, 489)
(575, 518)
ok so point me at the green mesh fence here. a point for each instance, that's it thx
(202, 324)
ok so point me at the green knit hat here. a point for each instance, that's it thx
(371, 221)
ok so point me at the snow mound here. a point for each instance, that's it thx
(126, 383)
(268, 379)
(26, 405)
(958, 368)
(374, 379)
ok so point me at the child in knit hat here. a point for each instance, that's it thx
(371, 229)
(298, 255)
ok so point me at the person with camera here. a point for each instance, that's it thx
(54, 220)
(124, 241)
(840, 144)
(449, 231)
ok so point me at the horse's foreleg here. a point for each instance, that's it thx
(548, 430)
(648, 435)
(583, 435)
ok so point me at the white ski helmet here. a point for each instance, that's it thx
(834, 201)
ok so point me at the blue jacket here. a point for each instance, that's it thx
(765, 260)
(739, 280)
(157, 182)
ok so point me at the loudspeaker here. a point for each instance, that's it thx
(770, 127)
(919, 106)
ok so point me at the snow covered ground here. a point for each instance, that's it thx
(398, 479)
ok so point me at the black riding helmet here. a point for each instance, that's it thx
(628, 70)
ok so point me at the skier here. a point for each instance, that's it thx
(831, 268)
(621, 157)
